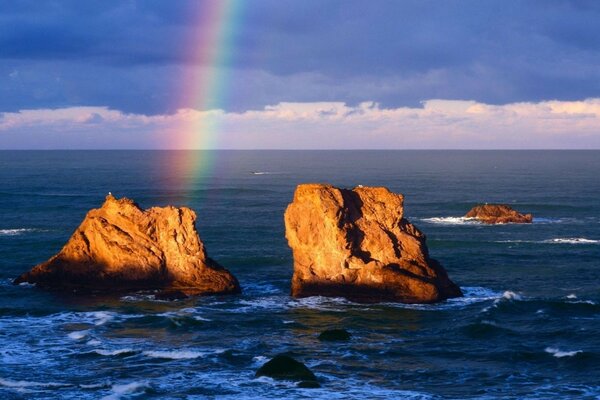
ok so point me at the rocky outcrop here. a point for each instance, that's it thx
(498, 214)
(122, 247)
(284, 367)
(356, 244)
(335, 335)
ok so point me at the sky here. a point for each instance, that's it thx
(153, 74)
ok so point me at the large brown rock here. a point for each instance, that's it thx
(356, 244)
(498, 214)
(121, 247)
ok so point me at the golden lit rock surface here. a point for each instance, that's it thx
(356, 244)
(121, 247)
(498, 214)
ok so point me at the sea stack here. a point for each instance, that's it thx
(120, 247)
(356, 244)
(498, 214)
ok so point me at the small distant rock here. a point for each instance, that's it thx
(498, 214)
(283, 367)
(335, 335)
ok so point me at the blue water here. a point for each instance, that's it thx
(528, 327)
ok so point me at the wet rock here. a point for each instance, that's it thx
(284, 367)
(170, 295)
(335, 335)
(498, 214)
(356, 244)
(122, 247)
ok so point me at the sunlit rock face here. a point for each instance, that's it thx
(122, 247)
(498, 214)
(356, 244)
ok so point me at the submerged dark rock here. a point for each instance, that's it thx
(335, 335)
(170, 295)
(498, 214)
(284, 367)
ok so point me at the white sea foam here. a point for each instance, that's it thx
(78, 335)
(572, 241)
(260, 359)
(139, 297)
(175, 354)
(102, 317)
(113, 352)
(15, 232)
(554, 241)
(132, 388)
(510, 295)
(572, 296)
(29, 386)
(451, 221)
(560, 354)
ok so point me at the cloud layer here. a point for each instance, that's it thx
(435, 124)
(134, 55)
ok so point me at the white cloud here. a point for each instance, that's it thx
(436, 124)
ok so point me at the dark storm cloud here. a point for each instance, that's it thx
(132, 55)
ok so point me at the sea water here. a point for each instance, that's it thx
(527, 328)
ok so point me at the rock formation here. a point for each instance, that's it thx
(122, 247)
(284, 367)
(356, 244)
(335, 335)
(498, 214)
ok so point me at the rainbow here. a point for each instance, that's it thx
(205, 89)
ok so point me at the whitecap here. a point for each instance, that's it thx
(510, 295)
(15, 232)
(452, 220)
(260, 359)
(572, 241)
(126, 389)
(29, 386)
(560, 354)
(113, 352)
(175, 354)
(102, 317)
(93, 342)
(572, 296)
(78, 335)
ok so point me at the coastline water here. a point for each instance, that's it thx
(527, 328)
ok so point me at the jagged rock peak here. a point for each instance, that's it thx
(119, 247)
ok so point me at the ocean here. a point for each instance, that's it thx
(528, 326)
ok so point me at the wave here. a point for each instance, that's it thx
(265, 173)
(78, 335)
(452, 221)
(175, 354)
(17, 231)
(133, 388)
(560, 353)
(474, 221)
(572, 241)
(117, 352)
